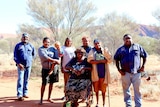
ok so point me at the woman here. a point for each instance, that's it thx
(79, 83)
(68, 54)
(47, 58)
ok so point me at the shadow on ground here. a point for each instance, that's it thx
(13, 102)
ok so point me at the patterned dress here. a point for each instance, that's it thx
(78, 87)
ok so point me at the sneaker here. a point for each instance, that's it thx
(25, 96)
(20, 99)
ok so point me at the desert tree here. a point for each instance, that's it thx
(156, 14)
(47, 14)
(78, 16)
(113, 27)
(36, 34)
(67, 18)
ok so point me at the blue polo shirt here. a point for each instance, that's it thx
(24, 54)
(130, 57)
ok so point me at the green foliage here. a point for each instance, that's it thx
(149, 44)
(4, 46)
(64, 18)
(113, 28)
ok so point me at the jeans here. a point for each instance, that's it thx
(135, 80)
(22, 82)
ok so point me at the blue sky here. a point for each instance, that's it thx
(13, 12)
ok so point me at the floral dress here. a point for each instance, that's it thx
(78, 87)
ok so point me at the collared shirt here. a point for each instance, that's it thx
(24, 54)
(87, 49)
(130, 57)
(45, 53)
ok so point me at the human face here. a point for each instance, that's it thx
(25, 39)
(128, 40)
(46, 43)
(57, 46)
(97, 45)
(79, 55)
(85, 42)
(68, 42)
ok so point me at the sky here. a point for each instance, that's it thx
(13, 12)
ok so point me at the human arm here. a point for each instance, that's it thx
(143, 65)
(98, 61)
(120, 70)
(16, 57)
(143, 55)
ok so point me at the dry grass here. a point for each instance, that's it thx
(150, 89)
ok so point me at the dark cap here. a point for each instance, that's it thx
(96, 41)
(25, 35)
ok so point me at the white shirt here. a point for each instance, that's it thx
(68, 54)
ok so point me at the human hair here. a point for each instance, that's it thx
(80, 50)
(65, 43)
(45, 38)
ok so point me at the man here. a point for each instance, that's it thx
(87, 48)
(48, 55)
(128, 62)
(100, 75)
(24, 53)
(85, 44)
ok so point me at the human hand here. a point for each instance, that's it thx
(121, 72)
(21, 66)
(50, 72)
(141, 69)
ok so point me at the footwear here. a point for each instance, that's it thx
(20, 99)
(97, 105)
(51, 101)
(25, 96)
(63, 98)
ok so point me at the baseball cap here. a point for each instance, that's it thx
(96, 41)
(127, 36)
(25, 35)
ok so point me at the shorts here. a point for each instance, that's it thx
(51, 79)
(99, 85)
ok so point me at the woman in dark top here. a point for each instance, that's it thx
(79, 82)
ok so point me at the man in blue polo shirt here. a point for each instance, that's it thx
(128, 62)
(24, 53)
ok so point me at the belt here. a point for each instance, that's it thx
(132, 72)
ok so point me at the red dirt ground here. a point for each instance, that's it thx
(8, 95)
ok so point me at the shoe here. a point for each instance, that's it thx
(20, 99)
(25, 96)
(97, 105)
(63, 98)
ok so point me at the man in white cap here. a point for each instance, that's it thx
(24, 53)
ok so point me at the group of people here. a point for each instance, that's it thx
(82, 67)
